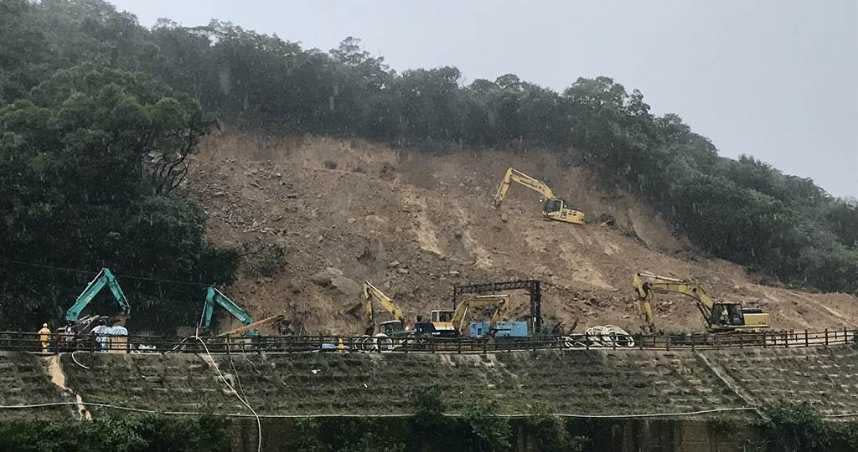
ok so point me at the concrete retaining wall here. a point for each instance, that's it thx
(579, 382)
(598, 382)
(574, 382)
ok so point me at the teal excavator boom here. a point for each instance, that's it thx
(216, 297)
(103, 278)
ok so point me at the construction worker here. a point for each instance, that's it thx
(45, 337)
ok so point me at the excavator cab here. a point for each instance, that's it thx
(733, 316)
(442, 323)
(726, 315)
(558, 209)
(553, 205)
(392, 328)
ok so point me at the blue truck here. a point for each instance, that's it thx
(515, 328)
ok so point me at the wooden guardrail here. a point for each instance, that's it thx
(57, 342)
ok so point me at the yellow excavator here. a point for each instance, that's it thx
(455, 321)
(719, 317)
(553, 207)
(395, 327)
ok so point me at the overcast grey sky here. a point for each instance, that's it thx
(774, 79)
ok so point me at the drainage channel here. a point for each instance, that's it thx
(58, 377)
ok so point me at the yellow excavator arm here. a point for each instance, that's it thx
(645, 284)
(553, 207)
(371, 293)
(467, 306)
(514, 175)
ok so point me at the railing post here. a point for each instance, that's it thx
(587, 340)
(845, 337)
(786, 339)
(640, 341)
(459, 345)
(826, 337)
(764, 339)
(484, 346)
(806, 340)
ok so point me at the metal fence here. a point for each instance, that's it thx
(57, 342)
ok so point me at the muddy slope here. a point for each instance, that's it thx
(415, 223)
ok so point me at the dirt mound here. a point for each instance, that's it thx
(416, 223)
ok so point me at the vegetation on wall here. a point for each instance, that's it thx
(111, 434)
(799, 427)
(787, 428)
(99, 115)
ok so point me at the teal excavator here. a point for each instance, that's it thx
(214, 298)
(104, 278)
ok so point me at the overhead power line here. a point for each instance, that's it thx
(90, 272)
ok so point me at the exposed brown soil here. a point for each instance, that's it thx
(416, 223)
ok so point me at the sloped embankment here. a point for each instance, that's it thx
(573, 382)
(25, 380)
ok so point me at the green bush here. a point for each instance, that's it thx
(489, 432)
(112, 434)
(799, 427)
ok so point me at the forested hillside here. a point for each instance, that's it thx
(98, 116)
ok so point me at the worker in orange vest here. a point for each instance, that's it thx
(45, 337)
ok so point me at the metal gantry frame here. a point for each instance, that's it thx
(533, 287)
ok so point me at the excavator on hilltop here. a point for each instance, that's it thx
(80, 326)
(553, 207)
(718, 317)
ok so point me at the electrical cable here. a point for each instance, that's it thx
(299, 416)
(213, 363)
(76, 361)
(235, 372)
(123, 275)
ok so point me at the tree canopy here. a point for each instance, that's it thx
(99, 114)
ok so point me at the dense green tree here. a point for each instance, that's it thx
(109, 434)
(96, 134)
(88, 165)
